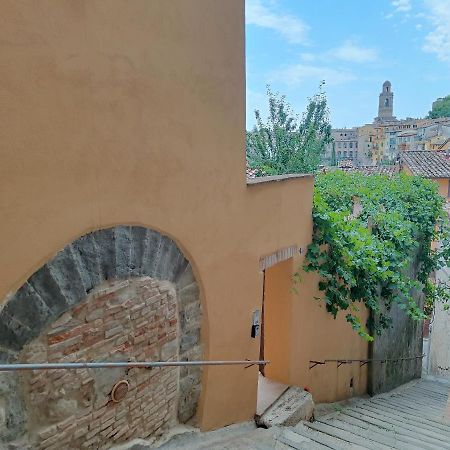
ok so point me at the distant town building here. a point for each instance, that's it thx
(386, 104)
(345, 142)
(383, 140)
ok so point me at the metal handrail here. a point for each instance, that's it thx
(361, 361)
(127, 364)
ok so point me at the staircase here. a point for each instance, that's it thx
(415, 416)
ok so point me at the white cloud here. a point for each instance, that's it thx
(438, 40)
(299, 73)
(292, 28)
(348, 51)
(402, 5)
(351, 52)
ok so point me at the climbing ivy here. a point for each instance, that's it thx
(367, 257)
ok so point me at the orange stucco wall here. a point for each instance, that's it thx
(125, 112)
(277, 333)
(309, 333)
(443, 186)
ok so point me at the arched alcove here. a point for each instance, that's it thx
(123, 293)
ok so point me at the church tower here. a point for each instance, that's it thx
(386, 103)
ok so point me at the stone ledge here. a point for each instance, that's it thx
(277, 178)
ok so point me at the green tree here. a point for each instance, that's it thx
(286, 143)
(441, 108)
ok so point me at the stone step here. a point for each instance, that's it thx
(299, 442)
(393, 423)
(407, 408)
(371, 432)
(346, 435)
(420, 402)
(427, 396)
(410, 422)
(325, 439)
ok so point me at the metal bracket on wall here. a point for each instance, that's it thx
(315, 363)
(344, 361)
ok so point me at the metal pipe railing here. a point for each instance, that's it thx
(361, 361)
(132, 364)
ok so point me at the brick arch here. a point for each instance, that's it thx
(72, 275)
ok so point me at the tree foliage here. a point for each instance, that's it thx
(286, 143)
(366, 258)
(441, 108)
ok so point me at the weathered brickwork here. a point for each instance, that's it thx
(131, 320)
(124, 293)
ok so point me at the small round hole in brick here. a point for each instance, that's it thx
(119, 391)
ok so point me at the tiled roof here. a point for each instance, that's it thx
(373, 170)
(251, 173)
(427, 164)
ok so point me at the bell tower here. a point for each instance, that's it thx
(386, 103)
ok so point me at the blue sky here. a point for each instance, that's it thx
(354, 45)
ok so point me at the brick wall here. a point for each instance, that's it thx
(123, 320)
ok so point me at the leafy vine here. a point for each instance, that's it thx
(366, 256)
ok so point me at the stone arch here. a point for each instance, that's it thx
(84, 270)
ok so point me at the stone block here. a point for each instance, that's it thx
(48, 289)
(13, 334)
(28, 308)
(169, 350)
(105, 240)
(152, 253)
(168, 257)
(86, 249)
(65, 273)
(292, 406)
(189, 340)
(123, 251)
(138, 242)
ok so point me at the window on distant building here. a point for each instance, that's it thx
(351, 144)
(345, 144)
(345, 154)
(339, 154)
(350, 154)
(339, 145)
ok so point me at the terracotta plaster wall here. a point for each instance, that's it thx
(443, 186)
(126, 112)
(310, 334)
